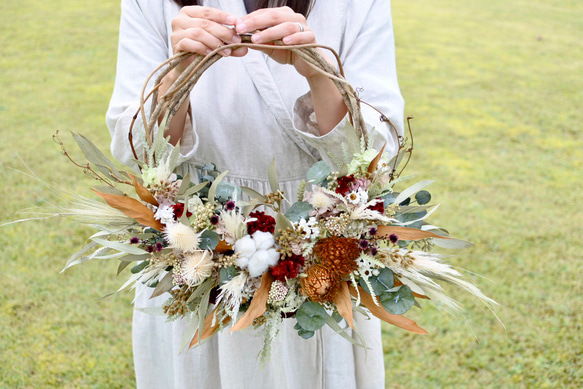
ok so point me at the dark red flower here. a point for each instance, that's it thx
(379, 207)
(344, 184)
(179, 210)
(393, 238)
(263, 223)
(288, 268)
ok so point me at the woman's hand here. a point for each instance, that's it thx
(272, 24)
(201, 30)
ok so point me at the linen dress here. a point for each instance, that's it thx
(245, 112)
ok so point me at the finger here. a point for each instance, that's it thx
(289, 32)
(209, 13)
(193, 28)
(265, 18)
(197, 40)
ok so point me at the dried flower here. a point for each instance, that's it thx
(320, 284)
(181, 237)
(338, 254)
(196, 267)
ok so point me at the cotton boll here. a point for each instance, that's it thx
(245, 246)
(258, 263)
(273, 257)
(242, 262)
(263, 240)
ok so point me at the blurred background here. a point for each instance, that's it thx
(496, 89)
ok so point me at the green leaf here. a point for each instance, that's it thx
(382, 283)
(272, 175)
(311, 316)
(213, 190)
(226, 191)
(352, 140)
(411, 190)
(196, 188)
(165, 284)
(124, 248)
(184, 185)
(318, 173)
(299, 210)
(95, 156)
(399, 300)
(227, 274)
(209, 240)
(122, 266)
(139, 267)
(306, 334)
(423, 197)
(281, 223)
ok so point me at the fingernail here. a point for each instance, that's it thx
(287, 40)
(208, 51)
(231, 19)
(241, 27)
(236, 39)
(255, 37)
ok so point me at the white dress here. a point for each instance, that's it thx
(246, 111)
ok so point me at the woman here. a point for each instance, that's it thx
(247, 109)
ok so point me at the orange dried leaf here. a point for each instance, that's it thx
(258, 304)
(405, 233)
(396, 320)
(223, 247)
(207, 329)
(375, 162)
(132, 208)
(143, 192)
(344, 304)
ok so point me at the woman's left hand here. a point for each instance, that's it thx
(272, 24)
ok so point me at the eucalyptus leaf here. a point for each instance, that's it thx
(184, 185)
(272, 176)
(311, 316)
(318, 173)
(452, 243)
(398, 301)
(134, 257)
(299, 210)
(196, 188)
(412, 190)
(213, 189)
(122, 265)
(352, 140)
(252, 193)
(281, 223)
(226, 191)
(305, 334)
(206, 286)
(108, 190)
(94, 155)
(227, 274)
(165, 284)
(139, 267)
(381, 283)
(209, 240)
(125, 248)
(423, 197)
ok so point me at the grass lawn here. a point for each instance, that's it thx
(496, 89)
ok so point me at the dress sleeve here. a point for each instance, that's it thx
(368, 57)
(143, 45)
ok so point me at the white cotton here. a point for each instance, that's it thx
(258, 263)
(242, 262)
(182, 237)
(245, 246)
(263, 240)
(272, 257)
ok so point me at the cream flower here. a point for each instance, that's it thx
(181, 237)
(196, 267)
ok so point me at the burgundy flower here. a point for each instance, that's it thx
(135, 240)
(288, 268)
(393, 238)
(379, 207)
(179, 210)
(214, 220)
(263, 223)
(344, 184)
(230, 205)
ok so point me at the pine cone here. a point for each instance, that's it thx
(338, 254)
(320, 284)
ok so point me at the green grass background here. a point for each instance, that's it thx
(497, 91)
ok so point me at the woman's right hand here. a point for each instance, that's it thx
(201, 30)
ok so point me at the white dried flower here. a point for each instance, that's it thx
(165, 214)
(263, 240)
(196, 267)
(181, 237)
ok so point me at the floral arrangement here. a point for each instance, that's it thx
(229, 257)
